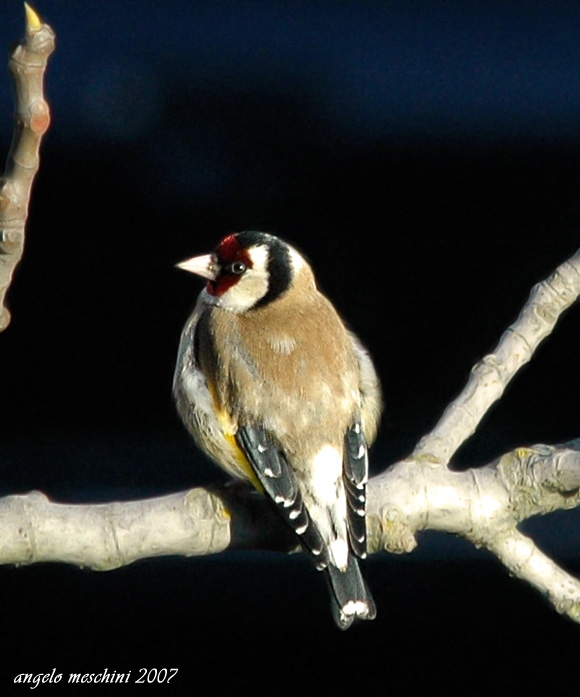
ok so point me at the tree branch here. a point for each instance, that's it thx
(106, 536)
(483, 505)
(491, 375)
(31, 121)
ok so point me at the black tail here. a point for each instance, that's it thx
(349, 596)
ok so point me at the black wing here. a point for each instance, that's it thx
(279, 483)
(356, 468)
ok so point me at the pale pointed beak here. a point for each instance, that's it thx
(204, 266)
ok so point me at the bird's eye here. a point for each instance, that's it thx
(236, 267)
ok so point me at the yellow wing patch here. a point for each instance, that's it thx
(229, 429)
(243, 463)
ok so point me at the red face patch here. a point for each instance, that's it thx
(228, 252)
(228, 249)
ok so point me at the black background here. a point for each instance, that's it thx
(424, 156)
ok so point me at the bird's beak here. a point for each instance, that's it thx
(204, 266)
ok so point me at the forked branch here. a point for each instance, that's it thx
(484, 505)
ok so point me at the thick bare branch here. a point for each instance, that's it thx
(109, 535)
(542, 478)
(483, 505)
(106, 536)
(31, 121)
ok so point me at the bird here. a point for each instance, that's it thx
(277, 391)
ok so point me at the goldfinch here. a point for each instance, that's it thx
(277, 391)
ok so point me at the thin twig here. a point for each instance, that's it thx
(31, 121)
(489, 378)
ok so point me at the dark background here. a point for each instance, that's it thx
(425, 156)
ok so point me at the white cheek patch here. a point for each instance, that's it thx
(251, 287)
(259, 257)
